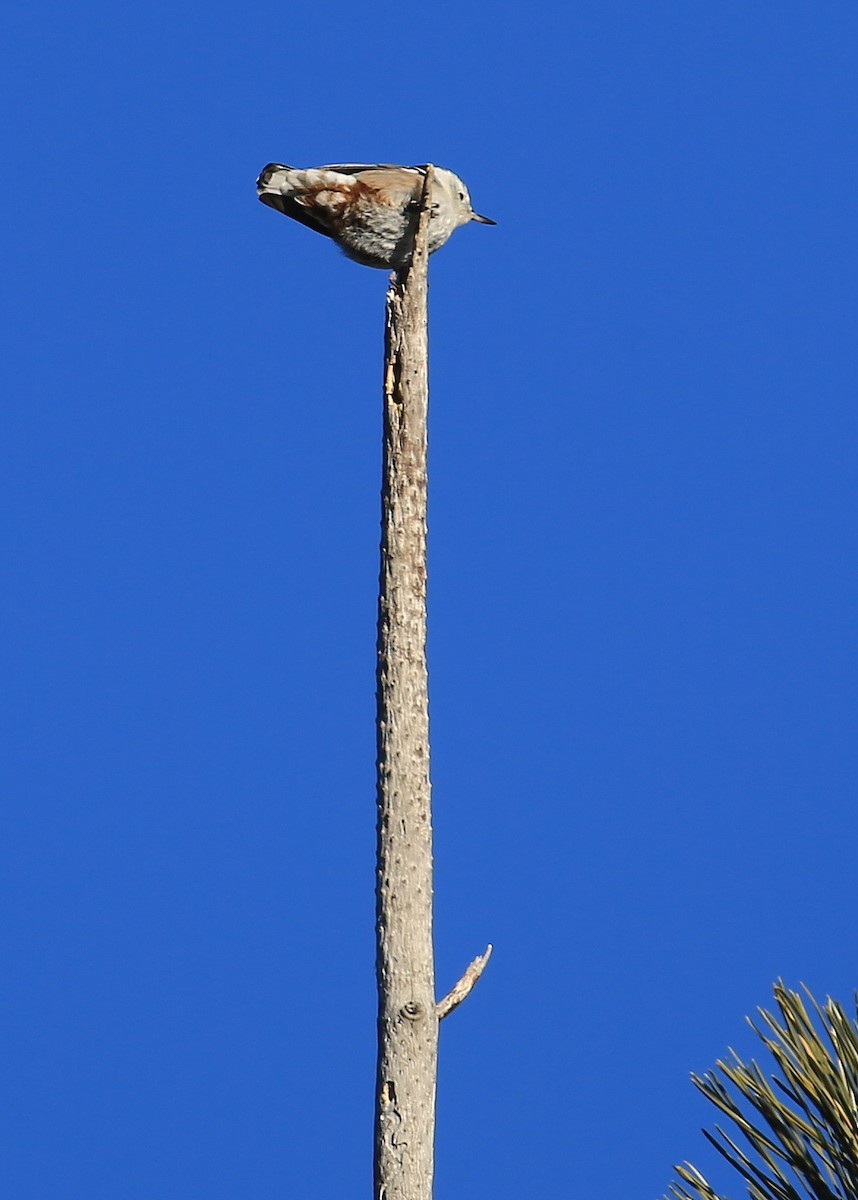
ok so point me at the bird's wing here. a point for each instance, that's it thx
(397, 186)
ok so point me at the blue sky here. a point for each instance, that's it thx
(642, 592)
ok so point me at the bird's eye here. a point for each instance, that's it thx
(461, 195)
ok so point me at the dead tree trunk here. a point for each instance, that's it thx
(407, 1020)
(408, 1015)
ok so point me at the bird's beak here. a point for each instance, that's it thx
(482, 220)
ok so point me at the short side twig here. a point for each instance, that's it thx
(463, 988)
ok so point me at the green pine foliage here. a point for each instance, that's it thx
(798, 1125)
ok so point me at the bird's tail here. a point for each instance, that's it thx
(272, 178)
(284, 189)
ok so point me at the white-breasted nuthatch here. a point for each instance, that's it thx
(369, 209)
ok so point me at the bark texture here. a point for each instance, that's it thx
(407, 1014)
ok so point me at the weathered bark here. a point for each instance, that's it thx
(407, 1015)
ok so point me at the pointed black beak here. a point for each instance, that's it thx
(482, 220)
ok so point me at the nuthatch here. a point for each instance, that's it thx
(367, 209)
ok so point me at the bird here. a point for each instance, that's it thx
(369, 209)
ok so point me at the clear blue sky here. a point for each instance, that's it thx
(642, 593)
